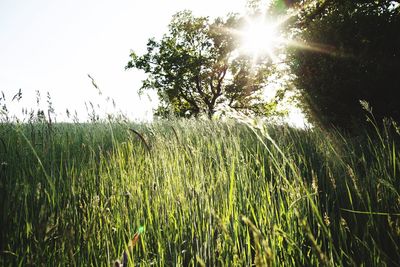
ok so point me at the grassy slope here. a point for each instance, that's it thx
(206, 192)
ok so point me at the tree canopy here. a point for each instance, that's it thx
(352, 54)
(196, 67)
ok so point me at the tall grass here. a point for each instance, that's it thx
(207, 193)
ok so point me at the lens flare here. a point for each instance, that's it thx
(259, 37)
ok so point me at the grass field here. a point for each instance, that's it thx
(206, 193)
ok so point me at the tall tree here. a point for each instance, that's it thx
(196, 67)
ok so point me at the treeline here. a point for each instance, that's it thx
(356, 56)
(340, 53)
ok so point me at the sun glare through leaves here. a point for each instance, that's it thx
(259, 37)
(263, 36)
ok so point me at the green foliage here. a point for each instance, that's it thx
(208, 193)
(353, 55)
(195, 68)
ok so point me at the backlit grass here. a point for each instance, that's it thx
(206, 192)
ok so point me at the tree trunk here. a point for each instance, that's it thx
(210, 112)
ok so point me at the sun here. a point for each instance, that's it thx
(259, 37)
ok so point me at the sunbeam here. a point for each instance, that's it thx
(262, 36)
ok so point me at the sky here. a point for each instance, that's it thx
(52, 45)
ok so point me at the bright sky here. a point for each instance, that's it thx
(51, 46)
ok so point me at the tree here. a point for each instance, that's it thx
(353, 55)
(195, 68)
